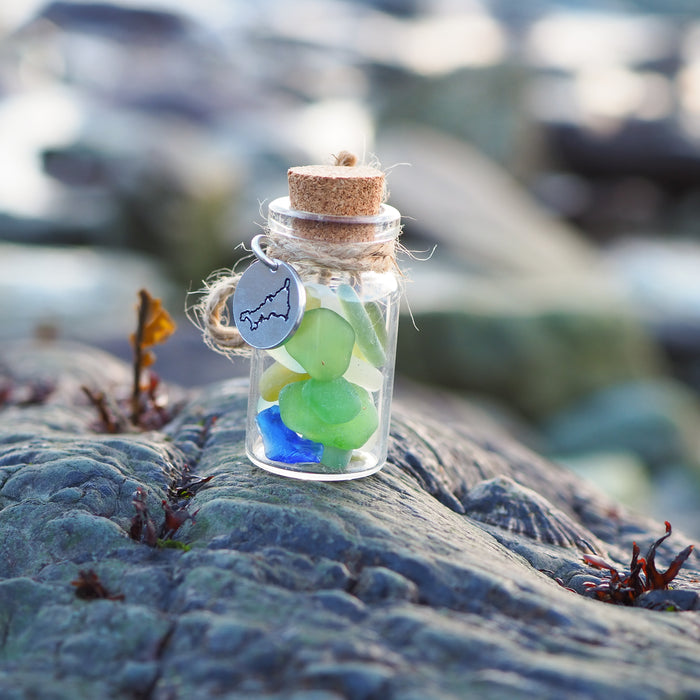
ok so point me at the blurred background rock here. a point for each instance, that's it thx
(551, 151)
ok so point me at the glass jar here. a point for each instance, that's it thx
(320, 403)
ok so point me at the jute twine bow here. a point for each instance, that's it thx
(315, 261)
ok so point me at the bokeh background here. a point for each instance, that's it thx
(546, 152)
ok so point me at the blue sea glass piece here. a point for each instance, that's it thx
(282, 444)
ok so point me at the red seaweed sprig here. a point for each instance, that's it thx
(623, 587)
(89, 587)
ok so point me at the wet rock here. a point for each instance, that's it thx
(81, 182)
(383, 587)
(473, 208)
(117, 22)
(669, 601)
(510, 506)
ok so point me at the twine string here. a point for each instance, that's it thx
(212, 316)
(315, 261)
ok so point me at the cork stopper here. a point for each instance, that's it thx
(344, 189)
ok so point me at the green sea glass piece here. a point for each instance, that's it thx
(322, 344)
(335, 458)
(298, 414)
(365, 334)
(333, 401)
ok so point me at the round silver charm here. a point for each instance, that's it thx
(268, 304)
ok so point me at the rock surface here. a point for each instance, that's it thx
(379, 588)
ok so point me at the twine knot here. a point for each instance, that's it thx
(346, 158)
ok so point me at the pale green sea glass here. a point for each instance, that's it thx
(334, 458)
(322, 344)
(363, 373)
(283, 357)
(374, 311)
(325, 295)
(365, 334)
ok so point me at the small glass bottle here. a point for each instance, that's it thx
(320, 402)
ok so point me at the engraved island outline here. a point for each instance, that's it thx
(275, 305)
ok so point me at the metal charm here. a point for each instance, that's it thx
(269, 301)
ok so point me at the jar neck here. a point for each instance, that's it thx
(292, 223)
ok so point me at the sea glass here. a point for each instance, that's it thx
(322, 344)
(365, 334)
(325, 295)
(282, 444)
(334, 458)
(299, 414)
(374, 311)
(281, 355)
(333, 401)
(313, 299)
(274, 378)
(363, 373)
